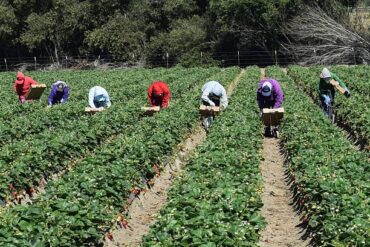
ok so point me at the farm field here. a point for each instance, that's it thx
(69, 179)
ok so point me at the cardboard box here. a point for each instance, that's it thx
(35, 92)
(209, 110)
(337, 86)
(90, 110)
(272, 117)
(149, 111)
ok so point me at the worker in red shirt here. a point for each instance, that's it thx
(21, 86)
(159, 94)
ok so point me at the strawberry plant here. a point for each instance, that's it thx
(81, 207)
(36, 162)
(351, 113)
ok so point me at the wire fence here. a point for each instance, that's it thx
(223, 59)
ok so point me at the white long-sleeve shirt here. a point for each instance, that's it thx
(96, 91)
(216, 89)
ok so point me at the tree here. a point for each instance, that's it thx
(120, 36)
(59, 29)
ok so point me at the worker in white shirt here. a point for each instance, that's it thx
(99, 98)
(214, 94)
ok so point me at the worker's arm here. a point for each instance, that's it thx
(205, 97)
(341, 83)
(109, 103)
(91, 98)
(223, 100)
(65, 95)
(32, 81)
(279, 96)
(166, 99)
(260, 100)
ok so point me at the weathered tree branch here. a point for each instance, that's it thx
(316, 38)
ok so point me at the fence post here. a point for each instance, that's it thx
(276, 61)
(238, 58)
(6, 64)
(167, 59)
(34, 58)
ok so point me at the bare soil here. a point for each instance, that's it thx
(263, 73)
(282, 220)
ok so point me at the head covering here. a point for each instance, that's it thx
(266, 88)
(20, 78)
(325, 73)
(60, 86)
(157, 90)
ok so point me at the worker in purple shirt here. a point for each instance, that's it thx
(59, 93)
(269, 94)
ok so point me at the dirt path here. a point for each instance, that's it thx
(143, 212)
(281, 218)
(233, 84)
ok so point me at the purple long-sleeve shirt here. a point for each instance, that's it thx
(56, 97)
(275, 100)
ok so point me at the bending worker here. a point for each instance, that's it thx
(327, 90)
(269, 94)
(99, 98)
(22, 85)
(159, 94)
(214, 94)
(59, 93)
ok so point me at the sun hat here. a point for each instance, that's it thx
(60, 86)
(325, 73)
(266, 88)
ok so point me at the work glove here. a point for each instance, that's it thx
(347, 93)
(212, 104)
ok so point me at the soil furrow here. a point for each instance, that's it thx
(282, 220)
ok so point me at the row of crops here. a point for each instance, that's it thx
(352, 113)
(329, 176)
(216, 201)
(82, 206)
(23, 166)
(102, 160)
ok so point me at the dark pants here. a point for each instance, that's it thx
(215, 100)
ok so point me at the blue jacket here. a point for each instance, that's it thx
(56, 97)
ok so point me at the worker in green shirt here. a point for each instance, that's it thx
(327, 91)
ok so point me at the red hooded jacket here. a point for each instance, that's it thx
(22, 84)
(159, 94)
